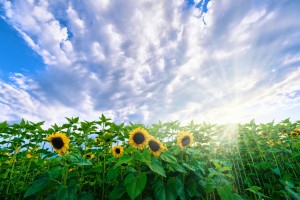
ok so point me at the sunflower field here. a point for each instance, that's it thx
(104, 160)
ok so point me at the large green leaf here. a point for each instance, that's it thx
(166, 192)
(276, 171)
(156, 166)
(192, 188)
(112, 173)
(143, 157)
(180, 188)
(168, 157)
(85, 196)
(76, 159)
(189, 167)
(117, 192)
(255, 190)
(135, 185)
(225, 192)
(171, 189)
(62, 192)
(160, 190)
(123, 160)
(41, 184)
(177, 167)
(56, 172)
(293, 193)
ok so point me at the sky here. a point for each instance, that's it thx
(218, 61)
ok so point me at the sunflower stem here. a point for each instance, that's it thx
(103, 177)
(11, 172)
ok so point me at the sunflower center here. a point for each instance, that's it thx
(57, 142)
(139, 138)
(186, 141)
(118, 151)
(154, 146)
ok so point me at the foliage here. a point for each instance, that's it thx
(230, 162)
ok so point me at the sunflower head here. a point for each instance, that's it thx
(99, 142)
(7, 154)
(117, 151)
(184, 139)
(29, 155)
(296, 132)
(89, 156)
(155, 146)
(138, 138)
(59, 141)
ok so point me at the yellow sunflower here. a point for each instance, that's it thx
(184, 139)
(99, 142)
(7, 154)
(296, 132)
(29, 155)
(59, 141)
(138, 138)
(155, 146)
(89, 156)
(117, 151)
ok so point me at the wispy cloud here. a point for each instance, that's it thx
(151, 60)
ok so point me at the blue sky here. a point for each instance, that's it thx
(143, 61)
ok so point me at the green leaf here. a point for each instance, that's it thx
(40, 185)
(85, 196)
(117, 192)
(276, 171)
(156, 166)
(72, 188)
(56, 172)
(131, 169)
(273, 150)
(82, 162)
(189, 167)
(225, 168)
(180, 188)
(177, 167)
(143, 157)
(112, 173)
(76, 159)
(292, 193)
(160, 190)
(168, 157)
(135, 185)
(192, 188)
(225, 192)
(248, 181)
(237, 197)
(62, 192)
(255, 189)
(123, 160)
(171, 189)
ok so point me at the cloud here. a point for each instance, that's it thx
(151, 60)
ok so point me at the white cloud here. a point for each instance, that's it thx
(151, 60)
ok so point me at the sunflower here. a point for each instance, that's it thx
(184, 139)
(155, 146)
(29, 155)
(89, 156)
(117, 151)
(296, 132)
(59, 141)
(7, 154)
(17, 150)
(99, 142)
(138, 138)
